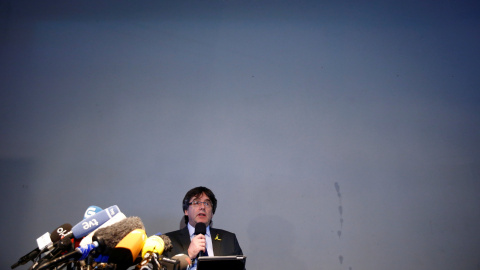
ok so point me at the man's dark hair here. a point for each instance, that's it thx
(196, 192)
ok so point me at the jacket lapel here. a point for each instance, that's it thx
(185, 237)
(216, 242)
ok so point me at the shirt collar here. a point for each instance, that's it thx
(191, 230)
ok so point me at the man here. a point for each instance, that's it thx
(199, 205)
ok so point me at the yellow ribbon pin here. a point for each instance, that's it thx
(217, 239)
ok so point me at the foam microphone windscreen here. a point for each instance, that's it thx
(167, 242)
(184, 260)
(200, 228)
(110, 236)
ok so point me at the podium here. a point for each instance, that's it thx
(221, 263)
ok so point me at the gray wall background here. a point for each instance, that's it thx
(335, 134)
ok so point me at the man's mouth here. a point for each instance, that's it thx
(202, 215)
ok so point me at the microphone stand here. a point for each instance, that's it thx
(89, 262)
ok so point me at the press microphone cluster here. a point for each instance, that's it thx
(155, 261)
(54, 237)
(104, 239)
(152, 258)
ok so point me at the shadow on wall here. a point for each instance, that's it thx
(183, 223)
(273, 241)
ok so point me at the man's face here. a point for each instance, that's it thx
(200, 212)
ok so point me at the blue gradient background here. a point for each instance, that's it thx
(335, 134)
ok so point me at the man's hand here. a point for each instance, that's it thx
(197, 244)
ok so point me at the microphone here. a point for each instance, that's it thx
(88, 239)
(91, 223)
(61, 232)
(112, 234)
(128, 249)
(117, 218)
(91, 210)
(26, 258)
(153, 261)
(185, 262)
(200, 228)
(62, 237)
(167, 263)
(80, 253)
(44, 241)
(153, 244)
(63, 245)
(105, 240)
(55, 236)
(47, 239)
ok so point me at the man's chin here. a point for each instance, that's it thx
(202, 220)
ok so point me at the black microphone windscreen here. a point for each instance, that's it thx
(200, 228)
(111, 235)
(60, 232)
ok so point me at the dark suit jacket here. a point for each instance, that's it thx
(224, 243)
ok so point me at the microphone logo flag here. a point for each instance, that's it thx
(91, 210)
(62, 232)
(87, 225)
